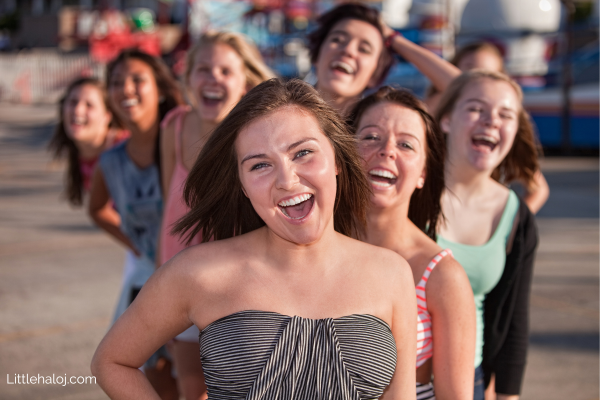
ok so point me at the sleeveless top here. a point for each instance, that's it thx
(484, 264)
(86, 167)
(137, 197)
(256, 355)
(424, 337)
(175, 207)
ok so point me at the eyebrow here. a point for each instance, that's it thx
(290, 147)
(483, 102)
(402, 133)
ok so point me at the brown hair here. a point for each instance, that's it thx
(218, 206)
(167, 85)
(521, 162)
(61, 144)
(425, 209)
(356, 11)
(255, 68)
(474, 48)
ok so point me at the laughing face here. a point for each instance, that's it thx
(483, 124)
(217, 81)
(287, 169)
(348, 58)
(392, 143)
(85, 116)
(134, 93)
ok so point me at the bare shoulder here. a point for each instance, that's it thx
(448, 279)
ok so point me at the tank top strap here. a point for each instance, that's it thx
(432, 264)
(177, 114)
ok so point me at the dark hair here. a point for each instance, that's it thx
(356, 11)
(166, 83)
(425, 209)
(61, 144)
(218, 207)
(521, 162)
(474, 48)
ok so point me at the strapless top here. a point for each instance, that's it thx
(256, 355)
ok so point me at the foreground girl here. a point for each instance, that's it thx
(403, 154)
(291, 307)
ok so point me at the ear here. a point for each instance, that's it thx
(109, 117)
(445, 124)
(374, 78)
(421, 181)
(244, 190)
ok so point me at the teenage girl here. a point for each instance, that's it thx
(484, 55)
(489, 229)
(85, 129)
(288, 305)
(352, 48)
(403, 154)
(141, 91)
(221, 68)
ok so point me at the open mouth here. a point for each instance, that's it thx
(130, 102)
(484, 143)
(297, 207)
(212, 97)
(342, 67)
(382, 178)
(78, 121)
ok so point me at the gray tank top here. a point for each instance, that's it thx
(137, 197)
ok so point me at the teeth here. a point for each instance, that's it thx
(213, 95)
(296, 200)
(380, 184)
(340, 64)
(129, 102)
(79, 121)
(383, 173)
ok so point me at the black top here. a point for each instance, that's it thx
(506, 310)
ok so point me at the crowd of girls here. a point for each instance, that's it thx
(311, 242)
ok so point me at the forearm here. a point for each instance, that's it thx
(121, 382)
(109, 220)
(537, 197)
(439, 71)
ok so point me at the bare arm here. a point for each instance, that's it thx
(537, 197)
(159, 312)
(167, 156)
(404, 329)
(439, 71)
(102, 212)
(452, 308)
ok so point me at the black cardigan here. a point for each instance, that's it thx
(506, 311)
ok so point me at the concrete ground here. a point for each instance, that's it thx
(60, 276)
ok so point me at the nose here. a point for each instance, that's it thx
(79, 107)
(128, 86)
(492, 119)
(286, 177)
(388, 149)
(349, 48)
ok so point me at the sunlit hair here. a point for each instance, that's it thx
(355, 11)
(63, 146)
(425, 209)
(476, 47)
(168, 88)
(254, 67)
(521, 162)
(218, 207)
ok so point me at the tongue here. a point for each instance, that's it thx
(299, 210)
(483, 143)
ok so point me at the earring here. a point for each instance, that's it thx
(421, 183)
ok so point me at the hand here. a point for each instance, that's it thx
(385, 29)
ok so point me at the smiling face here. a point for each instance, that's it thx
(392, 143)
(85, 116)
(287, 169)
(134, 93)
(348, 58)
(483, 124)
(217, 81)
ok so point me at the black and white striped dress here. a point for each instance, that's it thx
(256, 355)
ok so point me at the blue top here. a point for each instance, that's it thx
(137, 197)
(484, 264)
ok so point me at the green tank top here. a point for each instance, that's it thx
(484, 264)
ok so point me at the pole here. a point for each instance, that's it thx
(567, 78)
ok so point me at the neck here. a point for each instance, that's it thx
(144, 137)
(339, 103)
(388, 227)
(465, 181)
(91, 150)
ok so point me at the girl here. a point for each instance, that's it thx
(351, 50)
(141, 91)
(489, 229)
(290, 307)
(85, 129)
(221, 68)
(403, 156)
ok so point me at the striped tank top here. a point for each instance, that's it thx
(424, 338)
(266, 355)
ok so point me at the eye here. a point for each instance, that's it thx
(507, 116)
(226, 71)
(475, 109)
(365, 49)
(259, 166)
(406, 145)
(370, 137)
(302, 153)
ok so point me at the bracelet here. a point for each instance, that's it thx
(388, 40)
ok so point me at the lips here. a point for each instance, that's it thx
(297, 207)
(484, 143)
(382, 178)
(212, 97)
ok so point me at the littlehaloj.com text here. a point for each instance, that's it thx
(39, 379)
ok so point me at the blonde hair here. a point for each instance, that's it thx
(255, 68)
(521, 162)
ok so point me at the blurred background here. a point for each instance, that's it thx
(60, 276)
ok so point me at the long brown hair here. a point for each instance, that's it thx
(61, 144)
(218, 206)
(425, 208)
(521, 162)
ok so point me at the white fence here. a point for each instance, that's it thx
(42, 76)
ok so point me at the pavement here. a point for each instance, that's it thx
(60, 276)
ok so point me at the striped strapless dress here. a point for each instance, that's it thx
(256, 355)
